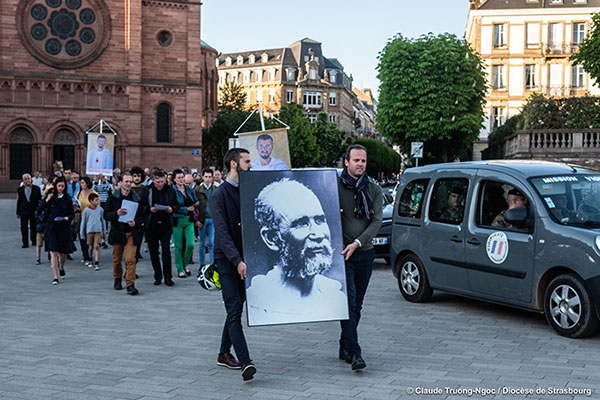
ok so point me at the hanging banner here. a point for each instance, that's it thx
(100, 153)
(269, 150)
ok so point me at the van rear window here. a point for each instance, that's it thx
(411, 199)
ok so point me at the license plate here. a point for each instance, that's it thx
(380, 240)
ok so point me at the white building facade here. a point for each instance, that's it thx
(526, 47)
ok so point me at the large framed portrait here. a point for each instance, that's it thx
(292, 240)
(100, 154)
(269, 150)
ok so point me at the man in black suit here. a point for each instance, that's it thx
(28, 198)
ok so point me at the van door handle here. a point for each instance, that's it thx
(456, 239)
(474, 242)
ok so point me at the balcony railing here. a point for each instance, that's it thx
(560, 90)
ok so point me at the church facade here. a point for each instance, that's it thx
(139, 65)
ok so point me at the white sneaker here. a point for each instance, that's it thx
(89, 264)
(96, 267)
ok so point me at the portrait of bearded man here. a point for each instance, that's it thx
(294, 227)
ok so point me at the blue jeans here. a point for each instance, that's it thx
(234, 295)
(358, 273)
(207, 228)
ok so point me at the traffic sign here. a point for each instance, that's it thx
(416, 149)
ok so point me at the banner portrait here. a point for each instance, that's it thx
(269, 150)
(292, 241)
(100, 153)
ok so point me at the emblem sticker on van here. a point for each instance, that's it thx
(497, 247)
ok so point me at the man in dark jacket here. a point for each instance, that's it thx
(28, 198)
(124, 236)
(230, 263)
(160, 201)
(204, 193)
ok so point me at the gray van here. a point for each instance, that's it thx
(519, 233)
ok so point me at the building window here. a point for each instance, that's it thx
(164, 38)
(246, 76)
(271, 96)
(259, 96)
(312, 118)
(499, 35)
(234, 78)
(578, 33)
(332, 99)
(291, 74)
(313, 74)
(228, 61)
(555, 1)
(240, 60)
(163, 123)
(259, 75)
(498, 77)
(272, 73)
(252, 58)
(312, 99)
(289, 96)
(533, 35)
(530, 78)
(332, 76)
(306, 58)
(577, 77)
(264, 58)
(497, 117)
(332, 118)
(579, 1)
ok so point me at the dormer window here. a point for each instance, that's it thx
(317, 58)
(264, 58)
(252, 58)
(240, 60)
(332, 76)
(312, 74)
(291, 74)
(228, 61)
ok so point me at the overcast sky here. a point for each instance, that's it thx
(353, 31)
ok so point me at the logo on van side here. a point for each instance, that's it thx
(497, 247)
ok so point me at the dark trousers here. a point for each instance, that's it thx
(358, 273)
(84, 249)
(160, 236)
(27, 229)
(234, 295)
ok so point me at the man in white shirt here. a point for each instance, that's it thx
(266, 162)
(100, 159)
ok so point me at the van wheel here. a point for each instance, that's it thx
(412, 280)
(568, 307)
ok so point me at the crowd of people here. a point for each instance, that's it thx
(176, 206)
(66, 210)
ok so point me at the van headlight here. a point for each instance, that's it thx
(598, 242)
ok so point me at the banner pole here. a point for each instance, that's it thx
(262, 118)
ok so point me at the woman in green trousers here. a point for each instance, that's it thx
(183, 224)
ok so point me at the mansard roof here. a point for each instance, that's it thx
(525, 4)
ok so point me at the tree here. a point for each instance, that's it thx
(381, 159)
(304, 151)
(432, 90)
(331, 141)
(232, 97)
(588, 53)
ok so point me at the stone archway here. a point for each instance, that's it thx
(21, 142)
(63, 148)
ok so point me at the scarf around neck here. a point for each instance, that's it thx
(362, 204)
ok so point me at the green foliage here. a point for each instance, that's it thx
(304, 151)
(380, 158)
(503, 131)
(588, 53)
(232, 97)
(331, 142)
(432, 90)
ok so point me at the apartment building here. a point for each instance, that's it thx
(299, 74)
(526, 47)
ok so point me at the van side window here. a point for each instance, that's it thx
(448, 201)
(411, 199)
(494, 199)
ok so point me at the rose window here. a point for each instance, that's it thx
(64, 33)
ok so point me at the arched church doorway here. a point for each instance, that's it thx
(21, 141)
(64, 148)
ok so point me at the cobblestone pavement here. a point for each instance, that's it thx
(83, 340)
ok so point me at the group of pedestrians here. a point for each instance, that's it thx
(173, 206)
